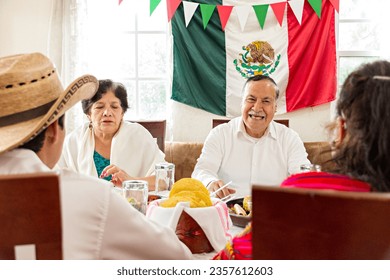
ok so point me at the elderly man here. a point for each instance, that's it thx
(251, 149)
(96, 222)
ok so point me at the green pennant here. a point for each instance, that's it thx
(316, 5)
(153, 5)
(206, 11)
(261, 13)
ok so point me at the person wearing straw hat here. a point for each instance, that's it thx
(96, 222)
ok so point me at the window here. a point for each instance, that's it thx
(361, 34)
(128, 45)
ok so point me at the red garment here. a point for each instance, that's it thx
(324, 180)
(240, 248)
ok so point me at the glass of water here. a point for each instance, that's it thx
(136, 193)
(165, 176)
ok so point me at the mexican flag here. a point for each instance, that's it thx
(212, 63)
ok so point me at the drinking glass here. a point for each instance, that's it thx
(165, 176)
(136, 193)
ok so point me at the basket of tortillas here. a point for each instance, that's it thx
(200, 222)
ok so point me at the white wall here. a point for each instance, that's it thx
(24, 27)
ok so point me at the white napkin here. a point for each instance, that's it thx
(214, 221)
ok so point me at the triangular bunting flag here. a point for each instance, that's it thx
(242, 14)
(206, 11)
(261, 13)
(189, 10)
(316, 5)
(278, 9)
(153, 5)
(224, 14)
(172, 6)
(120, 1)
(336, 4)
(297, 8)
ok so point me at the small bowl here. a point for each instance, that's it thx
(238, 220)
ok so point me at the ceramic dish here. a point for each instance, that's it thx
(238, 220)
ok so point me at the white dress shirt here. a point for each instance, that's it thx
(230, 154)
(97, 223)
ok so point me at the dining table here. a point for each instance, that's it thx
(233, 230)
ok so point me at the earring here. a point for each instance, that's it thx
(90, 125)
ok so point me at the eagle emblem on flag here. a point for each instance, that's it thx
(258, 58)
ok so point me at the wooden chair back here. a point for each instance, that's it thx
(216, 122)
(303, 224)
(30, 216)
(157, 129)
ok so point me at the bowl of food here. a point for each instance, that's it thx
(240, 210)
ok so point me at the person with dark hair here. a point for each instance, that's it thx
(360, 151)
(96, 222)
(361, 148)
(108, 147)
(252, 148)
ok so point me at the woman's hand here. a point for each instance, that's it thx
(118, 175)
(223, 193)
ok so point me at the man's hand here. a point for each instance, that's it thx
(214, 186)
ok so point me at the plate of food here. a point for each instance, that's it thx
(240, 210)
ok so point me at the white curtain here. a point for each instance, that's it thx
(68, 47)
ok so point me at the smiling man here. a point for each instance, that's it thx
(251, 149)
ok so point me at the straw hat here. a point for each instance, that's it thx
(32, 97)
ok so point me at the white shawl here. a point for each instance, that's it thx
(133, 149)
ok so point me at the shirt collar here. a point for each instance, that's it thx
(270, 131)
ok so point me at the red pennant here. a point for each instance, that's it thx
(172, 6)
(336, 4)
(120, 1)
(278, 9)
(224, 14)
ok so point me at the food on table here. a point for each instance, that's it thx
(247, 203)
(239, 210)
(188, 190)
(187, 184)
(241, 207)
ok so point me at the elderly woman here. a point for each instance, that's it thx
(107, 146)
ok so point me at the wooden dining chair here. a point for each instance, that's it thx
(304, 224)
(30, 217)
(157, 129)
(216, 122)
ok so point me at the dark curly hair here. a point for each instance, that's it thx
(105, 86)
(364, 104)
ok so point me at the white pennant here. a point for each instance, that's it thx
(189, 10)
(242, 14)
(297, 8)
